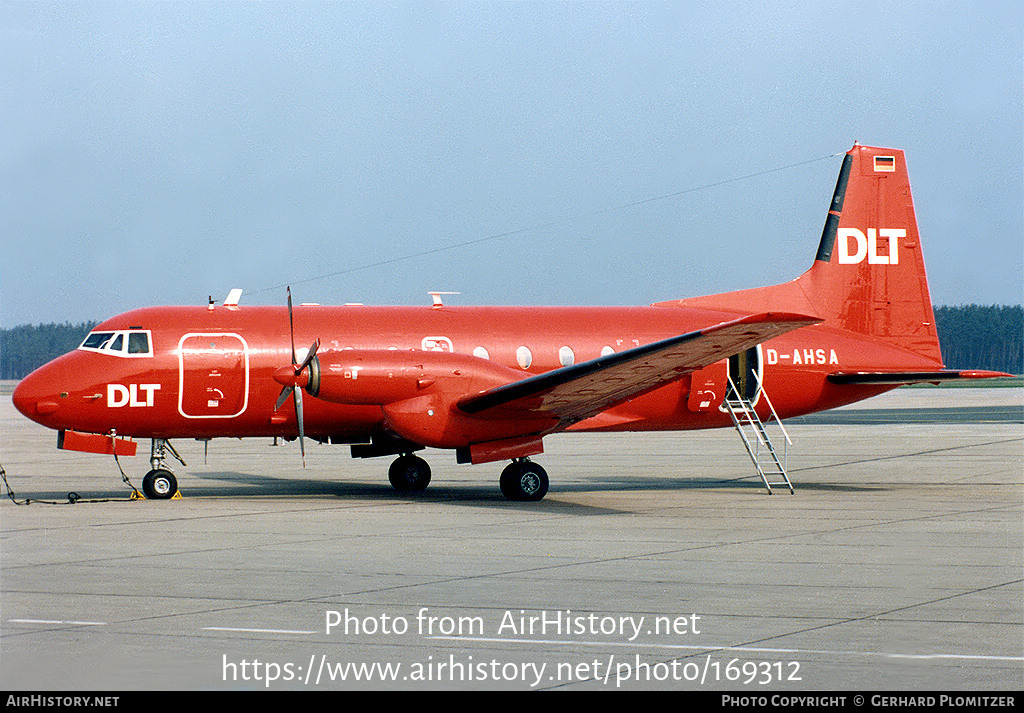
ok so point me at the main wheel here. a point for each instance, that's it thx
(524, 480)
(159, 485)
(409, 474)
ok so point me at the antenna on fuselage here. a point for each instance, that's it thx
(436, 297)
(233, 297)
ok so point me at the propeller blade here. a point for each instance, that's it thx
(291, 324)
(296, 390)
(297, 393)
(285, 393)
(309, 356)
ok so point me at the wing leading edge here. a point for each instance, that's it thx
(577, 392)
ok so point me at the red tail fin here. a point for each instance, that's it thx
(868, 276)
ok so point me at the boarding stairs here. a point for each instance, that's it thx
(755, 434)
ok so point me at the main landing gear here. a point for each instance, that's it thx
(160, 483)
(409, 474)
(522, 479)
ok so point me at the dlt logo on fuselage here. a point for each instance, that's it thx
(119, 395)
(867, 246)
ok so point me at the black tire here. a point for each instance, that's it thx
(524, 481)
(409, 474)
(159, 485)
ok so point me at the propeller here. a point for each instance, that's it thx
(293, 379)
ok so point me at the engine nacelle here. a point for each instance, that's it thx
(433, 420)
(381, 377)
(417, 391)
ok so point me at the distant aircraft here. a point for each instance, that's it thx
(491, 382)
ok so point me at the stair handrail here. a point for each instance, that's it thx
(771, 406)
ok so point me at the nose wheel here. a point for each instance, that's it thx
(159, 484)
(524, 480)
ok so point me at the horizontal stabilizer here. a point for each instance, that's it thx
(880, 378)
(580, 391)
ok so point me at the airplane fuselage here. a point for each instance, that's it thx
(210, 370)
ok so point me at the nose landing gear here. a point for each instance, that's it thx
(160, 483)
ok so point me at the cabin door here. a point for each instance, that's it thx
(214, 375)
(745, 373)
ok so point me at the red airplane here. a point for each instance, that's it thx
(491, 382)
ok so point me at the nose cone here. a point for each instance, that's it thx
(22, 401)
(32, 399)
(41, 394)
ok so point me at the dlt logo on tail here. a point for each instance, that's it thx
(868, 246)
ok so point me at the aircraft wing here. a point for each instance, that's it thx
(577, 392)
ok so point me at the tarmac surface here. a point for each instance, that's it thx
(656, 561)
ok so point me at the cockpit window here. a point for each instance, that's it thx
(124, 343)
(138, 342)
(96, 340)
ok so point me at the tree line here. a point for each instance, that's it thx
(29, 346)
(972, 337)
(982, 337)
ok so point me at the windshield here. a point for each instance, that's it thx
(128, 343)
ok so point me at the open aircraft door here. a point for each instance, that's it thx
(213, 371)
(746, 370)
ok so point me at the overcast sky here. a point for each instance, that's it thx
(158, 153)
